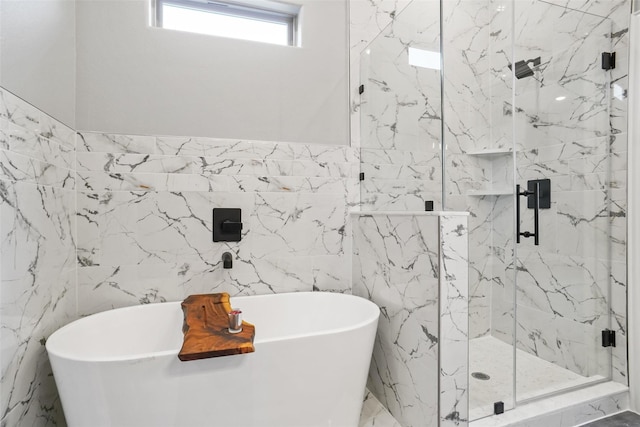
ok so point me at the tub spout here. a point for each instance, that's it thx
(227, 260)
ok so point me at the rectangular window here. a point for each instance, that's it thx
(424, 58)
(258, 20)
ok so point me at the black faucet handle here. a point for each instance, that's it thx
(231, 226)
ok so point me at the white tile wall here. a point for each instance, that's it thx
(414, 267)
(37, 261)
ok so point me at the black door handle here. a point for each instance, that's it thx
(518, 194)
(536, 212)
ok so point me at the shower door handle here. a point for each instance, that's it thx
(536, 211)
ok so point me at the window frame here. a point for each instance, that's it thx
(278, 13)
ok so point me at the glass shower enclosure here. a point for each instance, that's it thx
(502, 109)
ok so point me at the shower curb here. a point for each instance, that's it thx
(566, 410)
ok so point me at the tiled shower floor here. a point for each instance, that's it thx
(535, 376)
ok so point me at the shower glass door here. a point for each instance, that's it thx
(527, 103)
(562, 149)
(522, 100)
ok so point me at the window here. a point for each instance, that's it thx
(424, 58)
(258, 20)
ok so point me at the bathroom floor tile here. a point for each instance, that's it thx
(374, 414)
(623, 419)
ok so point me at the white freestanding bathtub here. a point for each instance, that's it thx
(312, 352)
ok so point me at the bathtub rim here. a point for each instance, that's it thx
(369, 319)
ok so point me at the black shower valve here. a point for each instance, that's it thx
(227, 225)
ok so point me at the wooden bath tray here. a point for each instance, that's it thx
(206, 329)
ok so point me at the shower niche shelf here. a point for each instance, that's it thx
(490, 192)
(498, 162)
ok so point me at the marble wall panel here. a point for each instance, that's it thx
(142, 209)
(37, 265)
(145, 207)
(395, 265)
(477, 85)
(400, 114)
(578, 141)
(367, 19)
(454, 321)
(415, 268)
(564, 117)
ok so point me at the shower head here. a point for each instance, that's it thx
(522, 68)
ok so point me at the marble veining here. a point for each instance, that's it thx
(454, 321)
(562, 292)
(400, 117)
(396, 266)
(143, 202)
(141, 207)
(37, 234)
(567, 410)
(578, 141)
(367, 18)
(414, 268)
(622, 419)
(144, 210)
(374, 414)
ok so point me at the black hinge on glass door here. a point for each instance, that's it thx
(608, 338)
(608, 60)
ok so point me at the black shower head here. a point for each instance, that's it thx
(522, 68)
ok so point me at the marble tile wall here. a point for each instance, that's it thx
(414, 267)
(400, 123)
(454, 320)
(367, 19)
(145, 207)
(142, 210)
(144, 202)
(37, 263)
(567, 142)
(477, 38)
(395, 265)
(400, 117)
(580, 143)
(563, 124)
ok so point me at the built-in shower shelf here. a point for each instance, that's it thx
(490, 152)
(490, 192)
